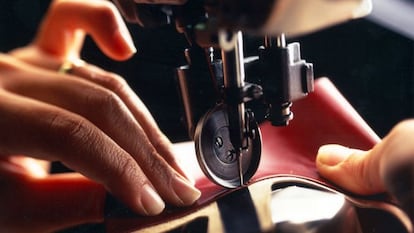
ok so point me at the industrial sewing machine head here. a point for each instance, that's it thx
(218, 83)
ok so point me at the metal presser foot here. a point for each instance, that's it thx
(227, 138)
(216, 154)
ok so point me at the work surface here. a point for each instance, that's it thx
(288, 156)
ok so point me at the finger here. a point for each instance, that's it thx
(62, 31)
(46, 132)
(108, 113)
(49, 204)
(120, 87)
(354, 170)
(370, 172)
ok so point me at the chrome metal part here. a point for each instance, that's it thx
(233, 72)
(216, 154)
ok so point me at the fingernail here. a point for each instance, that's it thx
(331, 155)
(187, 193)
(151, 201)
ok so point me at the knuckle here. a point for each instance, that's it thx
(106, 11)
(71, 130)
(115, 83)
(112, 104)
(105, 102)
(127, 170)
(67, 132)
(158, 167)
(109, 99)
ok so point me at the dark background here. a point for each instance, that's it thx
(370, 60)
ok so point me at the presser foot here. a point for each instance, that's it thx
(217, 156)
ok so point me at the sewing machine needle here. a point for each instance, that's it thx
(239, 161)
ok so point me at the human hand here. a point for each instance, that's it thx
(387, 167)
(90, 120)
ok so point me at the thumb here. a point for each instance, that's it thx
(354, 170)
(389, 166)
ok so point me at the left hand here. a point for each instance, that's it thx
(32, 200)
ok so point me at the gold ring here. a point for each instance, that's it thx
(70, 66)
(66, 67)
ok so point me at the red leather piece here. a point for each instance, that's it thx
(323, 117)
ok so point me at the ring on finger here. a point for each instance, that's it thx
(68, 66)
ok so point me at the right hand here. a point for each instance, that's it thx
(387, 167)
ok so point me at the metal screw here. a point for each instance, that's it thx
(230, 156)
(218, 142)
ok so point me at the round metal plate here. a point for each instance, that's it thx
(215, 152)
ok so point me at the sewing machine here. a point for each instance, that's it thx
(226, 134)
(220, 87)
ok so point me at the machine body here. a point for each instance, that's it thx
(214, 87)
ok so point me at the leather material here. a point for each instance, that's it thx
(323, 117)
